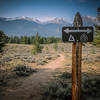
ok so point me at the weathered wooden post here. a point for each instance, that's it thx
(76, 62)
(77, 34)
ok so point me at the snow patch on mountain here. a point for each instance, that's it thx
(89, 21)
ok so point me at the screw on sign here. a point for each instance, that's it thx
(77, 34)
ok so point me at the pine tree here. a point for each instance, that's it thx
(3, 39)
(37, 48)
(37, 38)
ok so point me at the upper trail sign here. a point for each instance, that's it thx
(77, 34)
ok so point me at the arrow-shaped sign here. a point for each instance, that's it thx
(69, 31)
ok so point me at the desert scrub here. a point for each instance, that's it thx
(61, 89)
(91, 88)
(58, 90)
(6, 76)
(65, 75)
(62, 49)
(3, 79)
(41, 62)
(23, 70)
(93, 51)
(47, 48)
(96, 40)
(55, 46)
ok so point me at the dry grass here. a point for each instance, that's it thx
(15, 54)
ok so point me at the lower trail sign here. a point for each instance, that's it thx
(77, 34)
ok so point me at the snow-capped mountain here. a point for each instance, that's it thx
(58, 20)
(46, 27)
(55, 20)
(29, 26)
(24, 18)
(90, 21)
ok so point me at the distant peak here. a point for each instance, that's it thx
(44, 20)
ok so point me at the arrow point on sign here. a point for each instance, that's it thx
(67, 30)
(88, 30)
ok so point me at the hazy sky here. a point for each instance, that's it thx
(48, 8)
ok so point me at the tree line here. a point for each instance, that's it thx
(32, 39)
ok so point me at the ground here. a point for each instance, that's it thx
(49, 64)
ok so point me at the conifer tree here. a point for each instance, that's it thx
(37, 47)
(3, 39)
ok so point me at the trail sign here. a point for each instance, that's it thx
(77, 34)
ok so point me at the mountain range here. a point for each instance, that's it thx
(19, 26)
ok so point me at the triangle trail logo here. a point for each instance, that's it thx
(71, 38)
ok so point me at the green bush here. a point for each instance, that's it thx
(91, 88)
(37, 48)
(47, 48)
(65, 75)
(96, 40)
(3, 39)
(58, 90)
(23, 70)
(62, 90)
(41, 62)
(55, 46)
(3, 80)
(93, 51)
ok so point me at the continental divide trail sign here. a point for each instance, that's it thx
(77, 34)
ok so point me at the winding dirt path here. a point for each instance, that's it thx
(30, 88)
(56, 63)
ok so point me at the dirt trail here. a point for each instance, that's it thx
(56, 63)
(30, 88)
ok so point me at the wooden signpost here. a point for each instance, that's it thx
(77, 34)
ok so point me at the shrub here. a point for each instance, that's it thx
(3, 80)
(93, 51)
(59, 90)
(96, 40)
(91, 87)
(65, 75)
(37, 48)
(55, 46)
(3, 39)
(47, 48)
(23, 70)
(62, 49)
(41, 62)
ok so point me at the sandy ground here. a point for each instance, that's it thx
(30, 88)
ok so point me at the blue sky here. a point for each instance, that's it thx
(48, 8)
